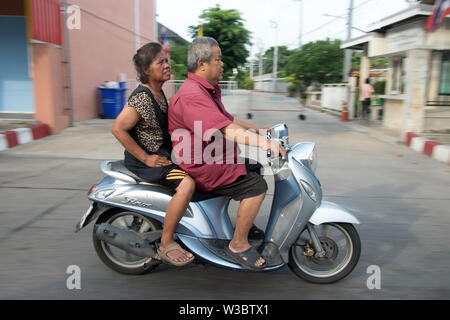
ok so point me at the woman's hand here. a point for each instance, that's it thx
(154, 161)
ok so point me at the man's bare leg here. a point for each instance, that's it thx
(247, 212)
(175, 210)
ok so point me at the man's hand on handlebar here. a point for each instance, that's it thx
(275, 148)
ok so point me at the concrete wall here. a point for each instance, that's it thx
(417, 64)
(333, 95)
(437, 119)
(265, 83)
(104, 47)
(393, 113)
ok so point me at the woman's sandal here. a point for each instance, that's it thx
(162, 253)
(246, 259)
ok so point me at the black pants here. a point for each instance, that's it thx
(365, 107)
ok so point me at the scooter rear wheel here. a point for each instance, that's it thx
(342, 245)
(118, 259)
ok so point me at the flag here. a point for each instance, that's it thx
(441, 9)
(165, 41)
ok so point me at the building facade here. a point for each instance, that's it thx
(417, 95)
(54, 55)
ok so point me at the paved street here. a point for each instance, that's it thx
(400, 196)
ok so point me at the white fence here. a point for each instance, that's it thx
(172, 86)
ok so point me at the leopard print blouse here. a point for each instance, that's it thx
(147, 129)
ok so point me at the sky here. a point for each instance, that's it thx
(178, 15)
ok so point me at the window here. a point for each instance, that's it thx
(444, 81)
(398, 75)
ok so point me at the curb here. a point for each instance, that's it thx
(432, 149)
(15, 137)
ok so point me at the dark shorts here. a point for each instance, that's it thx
(173, 177)
(169, 176)
(251, 185)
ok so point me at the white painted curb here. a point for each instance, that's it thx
(442, 153)
(24, 135)
(3, 142)
(417, 144)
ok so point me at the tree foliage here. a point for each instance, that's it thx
(283, 58)
(227, 27)
(320, 61)
(178, 61)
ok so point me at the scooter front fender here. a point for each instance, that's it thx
(332, 212)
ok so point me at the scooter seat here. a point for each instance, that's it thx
(119, 166)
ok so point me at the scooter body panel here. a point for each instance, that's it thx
(332, 212)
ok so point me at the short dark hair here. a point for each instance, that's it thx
(144, 58)
(367, 80)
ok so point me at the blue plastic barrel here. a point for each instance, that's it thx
(113, 100)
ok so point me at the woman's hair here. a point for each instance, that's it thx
(143, 59)
(200, 50)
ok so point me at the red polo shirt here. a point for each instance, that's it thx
(196, 116)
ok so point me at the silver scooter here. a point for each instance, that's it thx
(315, 238)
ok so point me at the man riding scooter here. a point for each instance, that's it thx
(197, 109)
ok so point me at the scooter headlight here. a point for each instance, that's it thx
(309, 190)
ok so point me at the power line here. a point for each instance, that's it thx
(334, 19)
(320, 27)
(113, 23)
(362, 4)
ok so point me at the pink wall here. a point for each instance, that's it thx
(49, 93)
(101, 49)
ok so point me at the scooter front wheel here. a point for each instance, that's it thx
(342, 247)
(118, 259)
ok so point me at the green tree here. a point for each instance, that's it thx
(243, 79)
(283, 58)
(178, 61)
(227, 27)
(320, 61)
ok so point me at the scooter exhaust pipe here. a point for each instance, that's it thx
(127, 240)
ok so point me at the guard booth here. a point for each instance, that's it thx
(417, 94)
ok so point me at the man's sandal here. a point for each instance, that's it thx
(255, 233)
(246, 259)
(162, 253)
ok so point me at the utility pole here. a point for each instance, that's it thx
(275, 56)
(260, 72)
(300, 43)
(348, 52)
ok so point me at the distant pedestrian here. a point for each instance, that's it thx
(366, 91)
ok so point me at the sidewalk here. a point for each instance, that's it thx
(435, 145)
